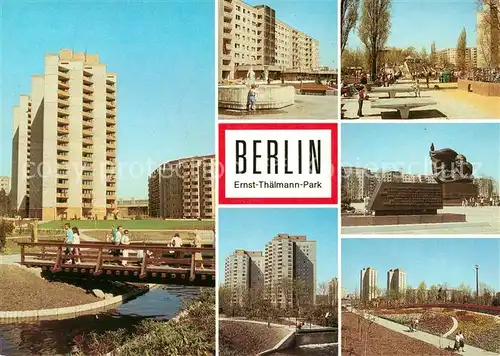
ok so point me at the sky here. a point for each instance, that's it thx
(252, 229)
(163, 54)
(434, 261)
(316, 18)
(419, 22)
(394, 146)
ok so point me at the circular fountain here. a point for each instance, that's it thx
(234, 97)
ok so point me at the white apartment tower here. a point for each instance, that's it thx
(290, 269)
(252, 36)
(396, 283)
(64, 140)
(368, 284)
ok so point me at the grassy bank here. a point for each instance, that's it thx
(193, 334)
(242, 338)
(147, 224)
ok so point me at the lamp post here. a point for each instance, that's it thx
(477, 283)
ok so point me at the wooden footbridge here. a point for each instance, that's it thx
(137, 262)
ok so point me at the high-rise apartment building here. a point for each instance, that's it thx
(290, 270)
(252, 36)
(396, 283)
(64, 140)
(244, 274)
(5, 184)
(184, 188)
(450, 56)
(368, 284)
(488, 35)
(333, 291)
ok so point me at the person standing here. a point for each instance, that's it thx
(252, 93)
(361, 98)
(125, 240)
(76, 243)
(462, 341)
(68, 239)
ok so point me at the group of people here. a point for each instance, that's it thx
(459, 342)
(473, 202)
(489, 75)
(414, 325)
(120, 237)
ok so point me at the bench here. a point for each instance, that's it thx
(403, 105)
(393, 90)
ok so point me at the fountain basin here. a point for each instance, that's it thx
(268, 97)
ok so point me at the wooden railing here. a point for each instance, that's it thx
(144, 260)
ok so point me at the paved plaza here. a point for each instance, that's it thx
(317, 107)
(480, 220)
(451, 104)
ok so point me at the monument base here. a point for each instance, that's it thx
(454, 193)
(350, 220)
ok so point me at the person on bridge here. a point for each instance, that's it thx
(125, 240)
(68, 238)
(76, 242)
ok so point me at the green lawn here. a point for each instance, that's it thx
(133, 224)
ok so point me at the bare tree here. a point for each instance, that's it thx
(349, 17)
(462, 50)
(374, 29)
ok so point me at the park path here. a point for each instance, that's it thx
(258, 322)
(453, 328)
(437, 341)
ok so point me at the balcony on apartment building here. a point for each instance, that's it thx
(110, 137)
(88, 149)
(87, 106)
(228, 16)
(228, 27)
(63, 73)
(111, 129)
(111, 144)
(61, 194)
(110, 88)
(87, 186)
(62, 94)
(62, 120)
(110, 120)
(62, 157)
(88, 114)
(61, 204)
(88, 124)
(110, 195)
(87, 80)
(88, 177)
(63, 147)
(64, 85)
(110, 105)
(86, 205)
(87, 195)
(87, 159)
(87, 98)
(87, 133)
(110, 113)
(111, 153)
(111, 189)
(87, 140)
(88, 89)
(111, 170)
(62, 185)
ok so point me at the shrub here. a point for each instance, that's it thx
(138, 217)
(6, 228)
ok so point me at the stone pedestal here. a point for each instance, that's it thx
(454, 193)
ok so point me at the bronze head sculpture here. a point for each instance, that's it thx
(448, 166)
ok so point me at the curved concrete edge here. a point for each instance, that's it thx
(453, 328)
(71, 312)
(285, 343)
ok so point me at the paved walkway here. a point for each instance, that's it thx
(483, 220)
(453, 328)
(437, 341)
(291, 328)
(451, 104)
(9, 259)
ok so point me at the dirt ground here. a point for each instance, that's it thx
(23, 290)
(240, 338)
(381, 341)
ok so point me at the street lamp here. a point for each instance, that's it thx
(477, 283)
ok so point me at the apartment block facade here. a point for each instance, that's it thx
(244, 275)
(368, 284)
(396, 283)
(333, 291)
(290, 269)
(5, 184)
(252, 36)
(64, 140)
(450, 56)
(184, 188)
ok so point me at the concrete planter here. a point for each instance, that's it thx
(268, 97)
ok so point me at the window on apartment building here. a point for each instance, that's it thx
(237, 26)
(238, 17)
(238, 8)
(236, 45)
